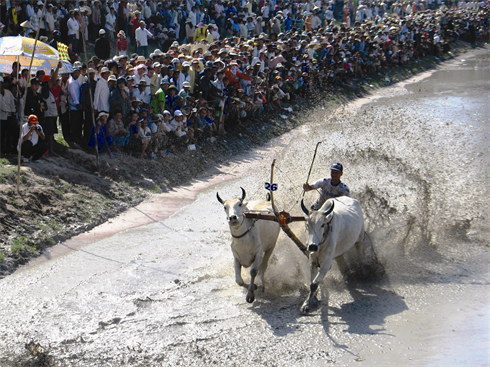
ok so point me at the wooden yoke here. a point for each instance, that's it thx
(282, 219)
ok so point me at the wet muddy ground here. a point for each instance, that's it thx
(415, 155)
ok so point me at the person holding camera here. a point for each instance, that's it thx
(33, 140)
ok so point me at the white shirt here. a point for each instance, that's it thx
(327, 191)
(30, 11)
(138, 78)
(110, 21)
(143, 96)
(141, 35)
(7, 104)
(73, 93)
(34, 137)
(41, 21)
(73, 26)
(102, 94)
(49, 17)
(175, 125)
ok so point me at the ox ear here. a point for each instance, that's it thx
(330, 209)
(219, 199)
(303, 207)
(243, 194)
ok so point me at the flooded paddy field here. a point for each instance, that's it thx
(417, 157)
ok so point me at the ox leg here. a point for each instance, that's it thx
(238, 273)
(263, 268)
(305, 308)
(253, 273)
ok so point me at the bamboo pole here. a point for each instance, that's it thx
(21, 122)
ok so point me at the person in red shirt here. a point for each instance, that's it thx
(135, 22)
(234, 75)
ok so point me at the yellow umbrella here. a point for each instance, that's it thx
(20, 49)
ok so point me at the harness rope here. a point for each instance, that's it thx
(248, 230)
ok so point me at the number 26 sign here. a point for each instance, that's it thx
(270, 187)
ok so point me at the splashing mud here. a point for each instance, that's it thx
(164, 293)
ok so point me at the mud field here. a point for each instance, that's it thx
(416, 156)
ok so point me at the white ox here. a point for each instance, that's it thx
(252, 240)
(332, 231)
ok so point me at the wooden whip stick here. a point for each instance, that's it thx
(311, 166)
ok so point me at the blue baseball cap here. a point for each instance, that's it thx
(337, 167)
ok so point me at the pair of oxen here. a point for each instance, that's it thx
(332, 231)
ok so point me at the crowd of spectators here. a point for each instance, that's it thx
(213, 65)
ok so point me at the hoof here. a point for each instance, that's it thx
(250, 297)
(305, 308)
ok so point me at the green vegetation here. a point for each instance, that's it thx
(60, 140)
(22, 246)
(2, 256)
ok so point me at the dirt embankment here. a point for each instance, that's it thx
(66, 196)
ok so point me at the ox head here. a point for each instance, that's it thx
(233, 209)
(318, 224)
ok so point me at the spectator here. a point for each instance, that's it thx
(122, 44)
(141, 37)
(102, 92)
(8, 120)
(87, 88)
(102, 46)
(33, 144)
(117, 131)
(99, 131)
(76, 112)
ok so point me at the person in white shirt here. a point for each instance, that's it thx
(39, 16)
(142, 92)
(76, 113)
(177, 124)
(102, 92)
(73, 28)
(49, 18)
(141, 36)
(30, 10)
(33, 145)
(110, 24)
(141, 74)
(9, 129)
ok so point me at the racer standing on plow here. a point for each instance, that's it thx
(331, 187)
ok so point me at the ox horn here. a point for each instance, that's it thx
(303, 207)
(329, 210)
(243, 194)
(219, 199)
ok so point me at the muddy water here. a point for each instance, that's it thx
(417, 157)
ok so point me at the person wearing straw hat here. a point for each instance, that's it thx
(142, 92)
(122, 44)
(103, 139)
